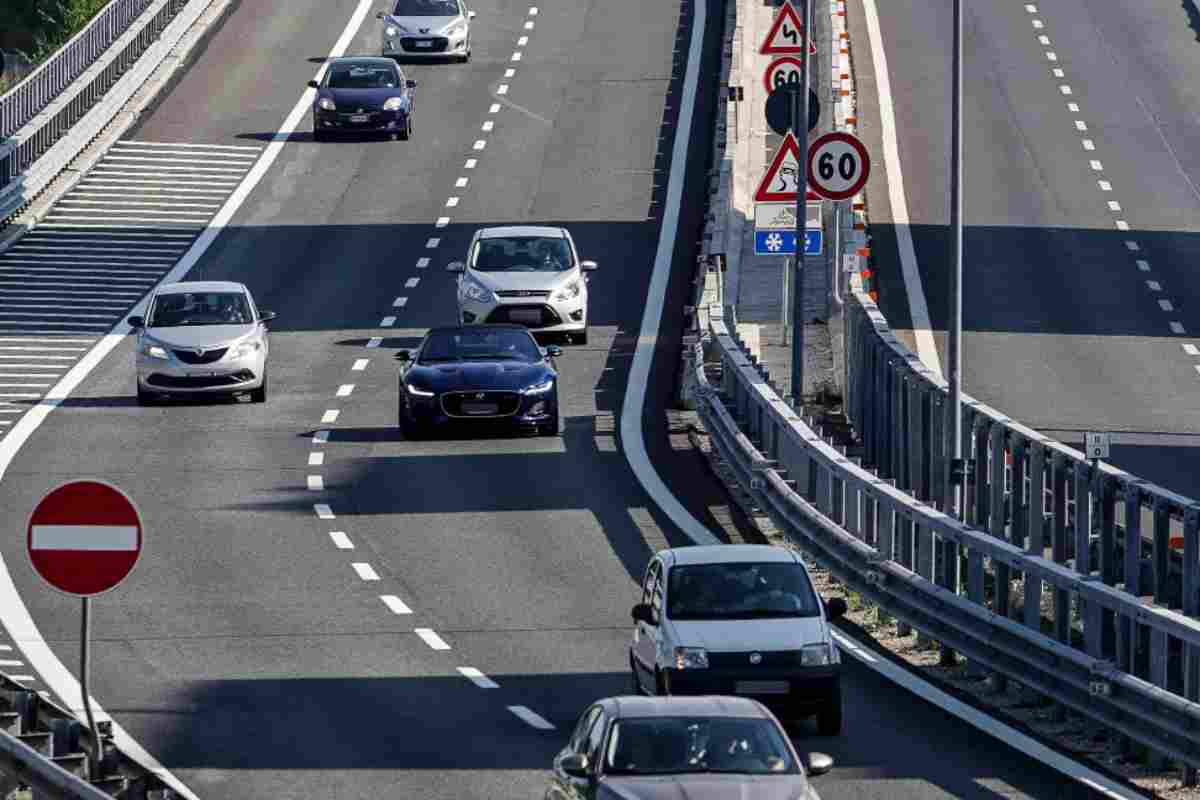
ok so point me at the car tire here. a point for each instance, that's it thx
(405, 134)
(580, 338)
(829, 718)
(259, 395)
(550, 428)
(145, 398)
(411, 430)
(318, 135)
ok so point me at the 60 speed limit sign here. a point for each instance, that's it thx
(838, 166)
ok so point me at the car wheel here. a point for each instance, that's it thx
(259, 395)
(829, 718)
(406, 134)
(549, 428)
(411, 430)
(145, 398)
(318, 134)
(580, 338)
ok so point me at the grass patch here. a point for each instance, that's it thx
(35, 29)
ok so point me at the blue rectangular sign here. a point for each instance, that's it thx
(783, 243)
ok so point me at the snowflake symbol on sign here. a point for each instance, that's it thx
(774, 242)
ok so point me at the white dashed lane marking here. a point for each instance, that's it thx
(1177, 327)
(442, 222)
(345, 389)
(1191, 350)
(1166, 305)
(316, 459)
(1154, 286)
(532, 718)
(501, 89)
(360, 364)
(374, 341)
(323, 511)
(400, 302)
(316, 483)
(1143, 265)
(365, 571)
(330, 415)
(470, 163)
(451, 202)
(411, 283)
(395, 604)
(430, 244)
(478, 678)
(431, 638)
(341, 540)
(387, 322)
(1088, 144)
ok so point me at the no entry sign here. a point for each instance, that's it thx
(84, 537)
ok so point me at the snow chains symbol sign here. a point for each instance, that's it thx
(774, 242)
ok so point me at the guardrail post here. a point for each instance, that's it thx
(915, 444)
(1108, 545)
(979, 482)
(1161, 550)
(1034, 513)
(924, 565)
(1191, 607)
(939, 461)
(899, 428)
(904, 557)
(1159, 669)
(1132, 494)
(1083, 519)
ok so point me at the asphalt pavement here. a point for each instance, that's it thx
(410, 623)
(1080, 208)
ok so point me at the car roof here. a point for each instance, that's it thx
(202, 286)
(505, 326)
(727, 554)
(633, 706)
(521, 230)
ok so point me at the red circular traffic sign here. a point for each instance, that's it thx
(838, 166)
(84, 537)
(785, 69)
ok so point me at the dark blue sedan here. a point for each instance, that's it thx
(478, 374)
(363, 95)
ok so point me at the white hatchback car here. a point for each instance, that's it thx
(526, 275)
(202, 337)
(427, 29)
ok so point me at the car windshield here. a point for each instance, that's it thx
(200, 308)
(480, 344)
(674, 745)
(740, 591)
(522, 254)
(363, 76)
(425, 8)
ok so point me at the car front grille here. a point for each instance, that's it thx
(523, 293)
(439, 44)
(480, 405)
(770, 659)
(199, 381)
(207, 357)
(520, 314)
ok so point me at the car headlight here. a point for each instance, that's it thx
(394, 104)
(154, 351)
(390, 30)
(569, 292)
(456, 30)
(244, 349)
(816, 655)
(418, 391)
(540, 388)
(476, 292)
(691, 658)
(326, 104)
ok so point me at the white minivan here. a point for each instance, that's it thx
(738, 620)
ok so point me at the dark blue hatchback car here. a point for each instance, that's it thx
(478, 374)
(363, 95)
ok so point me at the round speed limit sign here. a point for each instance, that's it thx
(838, 166)
(785, 69)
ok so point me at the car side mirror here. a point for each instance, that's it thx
(576, 765)
(313, 84)
(470, 15)
(818, 764)
(137, 323)
(266, 316)
(642, 612)
(402, 356)
(835, 608)
(553, 350)
(456, 266)
(588, 266)
(410, 83)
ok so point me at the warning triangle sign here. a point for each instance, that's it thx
(786, 34)
(781, 180)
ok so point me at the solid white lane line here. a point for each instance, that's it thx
(43, 349)
(1105, 186)
(134, 169)
(213, 185)
(493, 108)
(501, 89)
(411, 283)
(375, 341)
(25, 385)
(387, 322)
(394, 603)
(330, 416)
(431, 638)
(360, 364)
(478, 678)
(1191, 350)
(441, 222)
(470, 163)
(24, 375)
(1155, 286)
(430, 244)
(365, 571)
(1088, 144)
(531, 718)
(316, 459)
(252, 148)
(19, 395)
(320, 437)
(57, 369)
(341, 540)
(323, 511)
(1142, 265)
(451, 202)
(1176, 327)
(918, 309)
(316, 483)
(1165, 305)
(460, 183)
(345, 389)
(6, 662)
(109, 157)
(119, 204)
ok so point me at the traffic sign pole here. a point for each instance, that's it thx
(85, 640)
(800, 131)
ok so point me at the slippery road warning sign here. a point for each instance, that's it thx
(84, 537)
(786, 34)
(782, 179)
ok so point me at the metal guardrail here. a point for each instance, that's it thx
(901, 554)
(38, 112)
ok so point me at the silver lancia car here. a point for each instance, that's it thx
(427, 29)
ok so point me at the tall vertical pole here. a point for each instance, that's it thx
(955, 485)
(85, 636)
(800, 131)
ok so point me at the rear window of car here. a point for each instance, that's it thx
(740, 591)
(425, 8)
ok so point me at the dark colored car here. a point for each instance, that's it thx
(363, 95)
(475, 374)
(681, 748)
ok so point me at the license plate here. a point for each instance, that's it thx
(423, 43)
(525, 317)
(359, 117)
(479, 409)
(761, 687)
